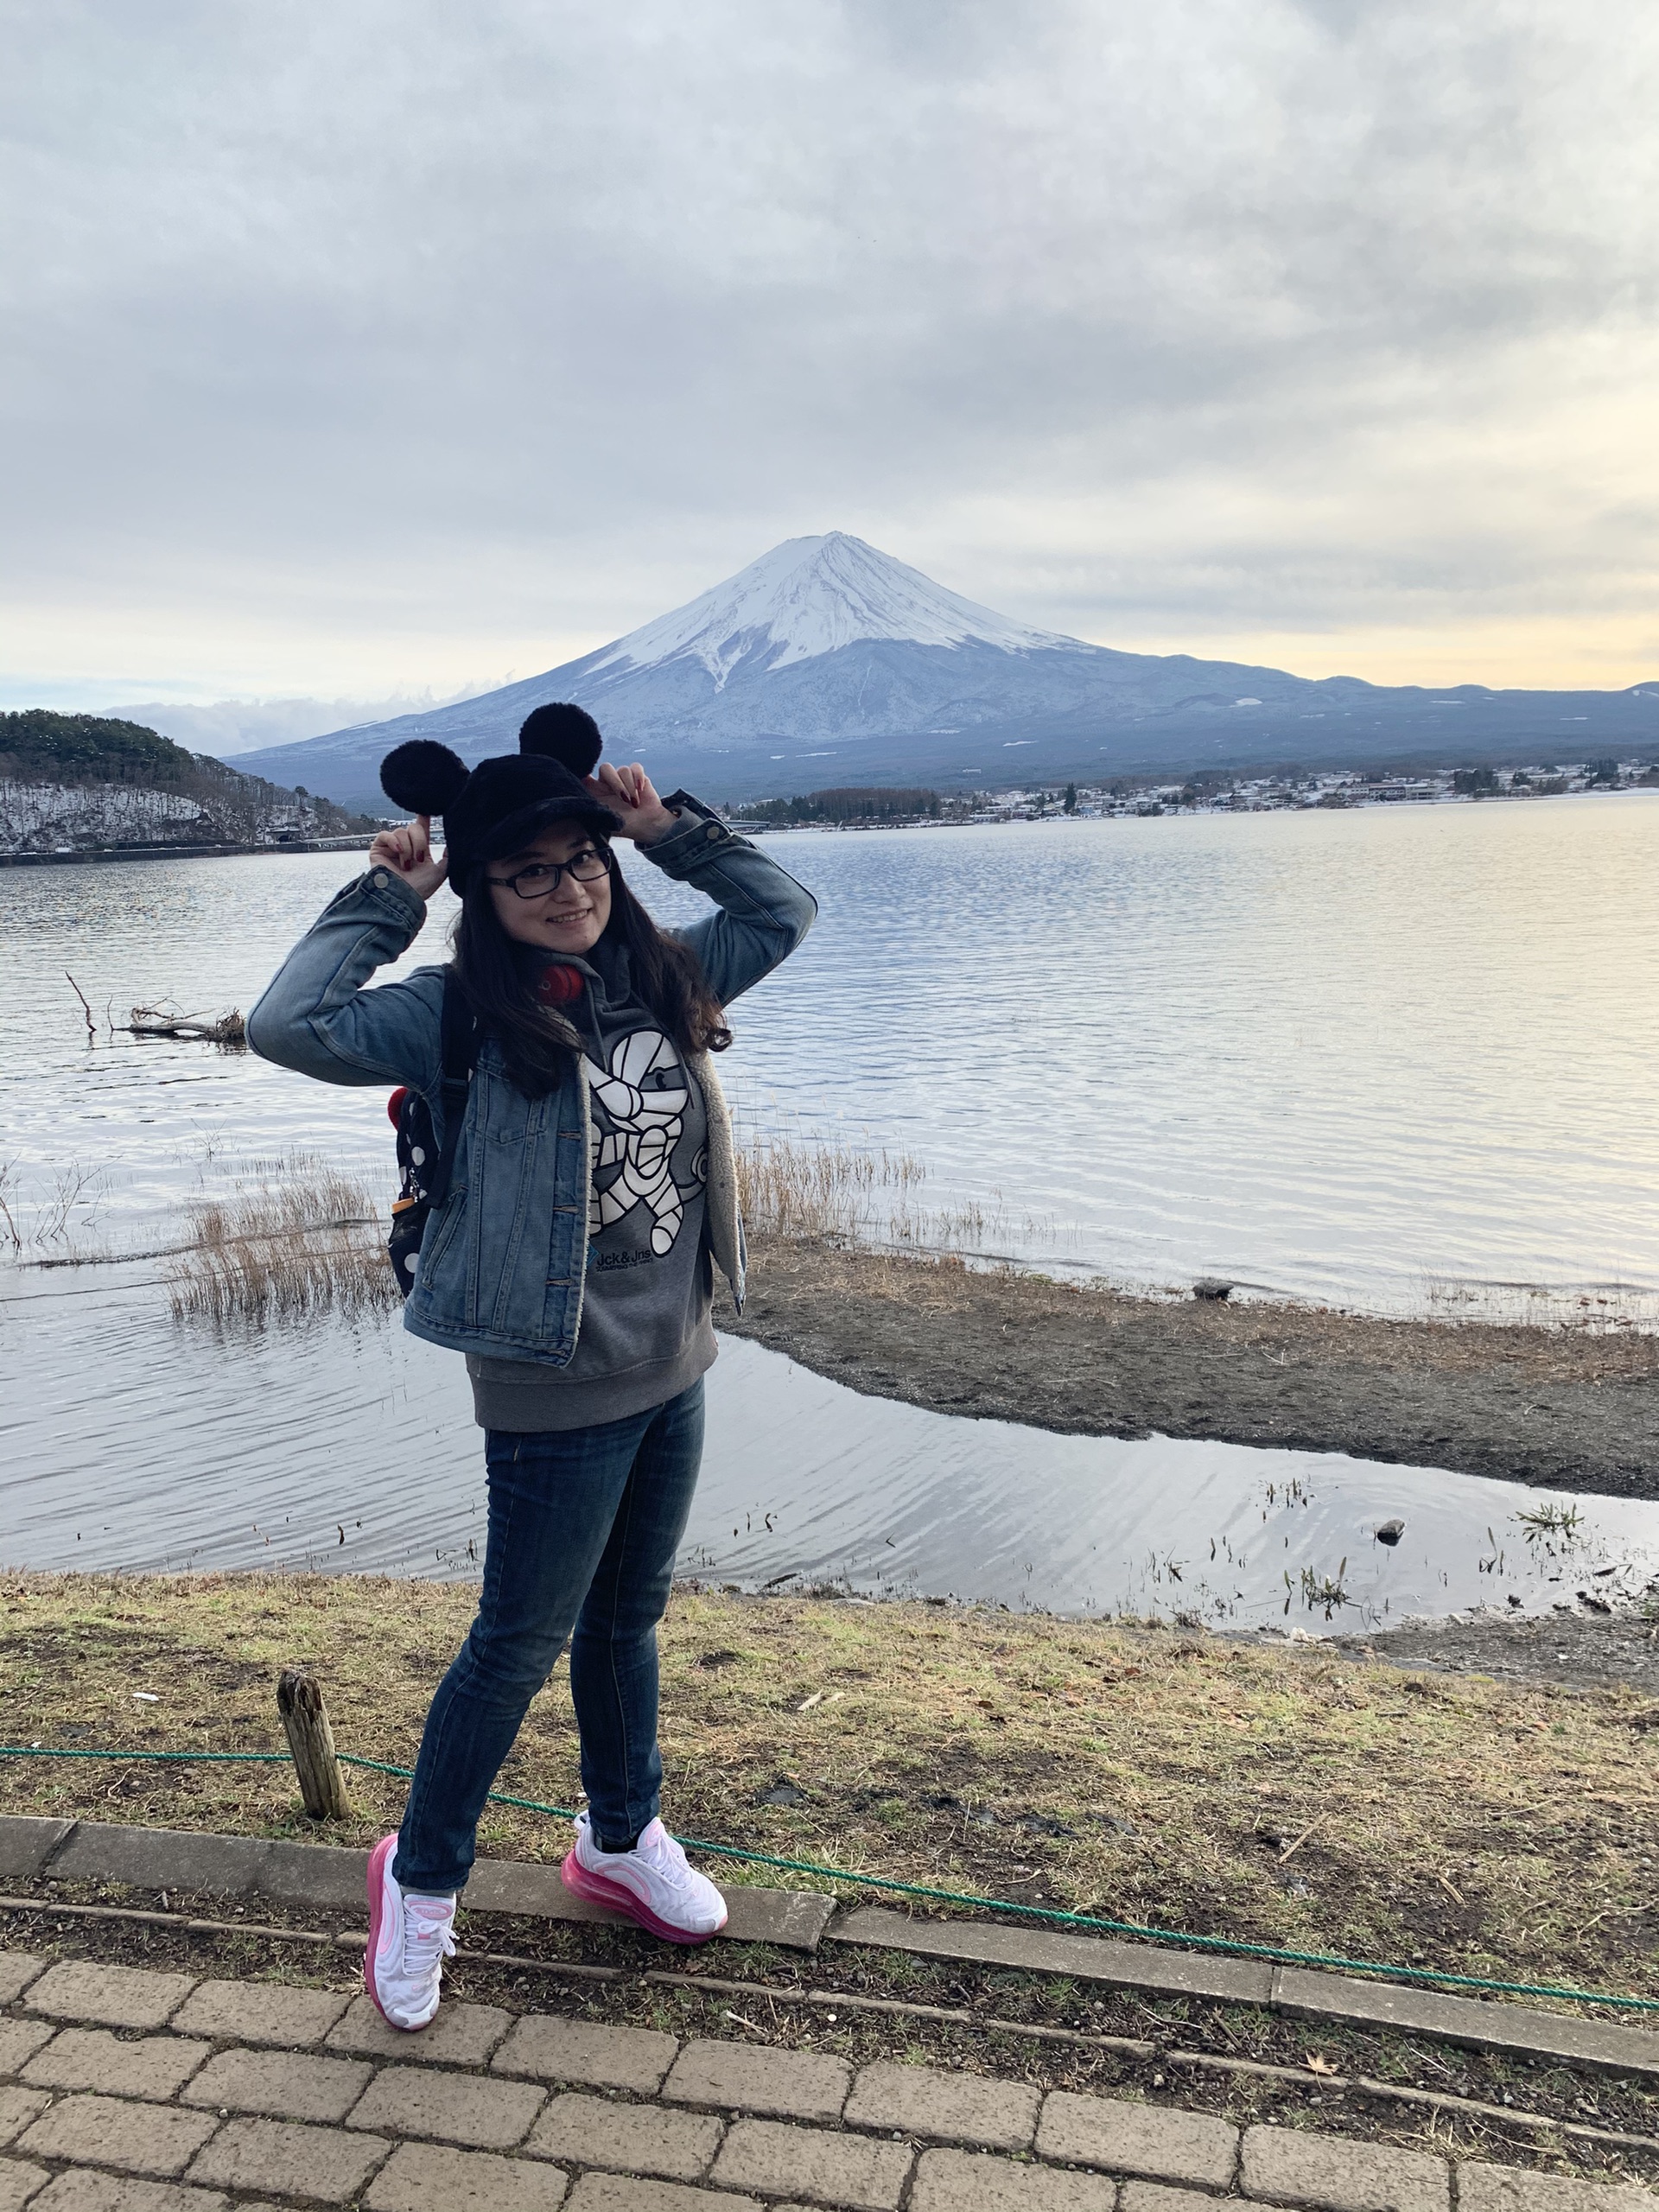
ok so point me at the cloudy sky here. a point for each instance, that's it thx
(360, 347)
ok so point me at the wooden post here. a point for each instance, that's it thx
(311, 1740)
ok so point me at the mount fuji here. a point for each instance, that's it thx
(827, 661)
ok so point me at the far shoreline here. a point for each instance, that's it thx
(357, 844)
(362, 841)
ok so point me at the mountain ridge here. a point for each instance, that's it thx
(826, 650)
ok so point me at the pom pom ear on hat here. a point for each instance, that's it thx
(563, 732)
(424, 776)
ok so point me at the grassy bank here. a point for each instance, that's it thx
(1289, 1798)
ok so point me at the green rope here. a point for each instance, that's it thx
(1231, 1945)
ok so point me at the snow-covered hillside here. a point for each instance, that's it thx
(47, 818)
(64, 817)
(76, 783)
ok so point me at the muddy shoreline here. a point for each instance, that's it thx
(1575, 1650)
(1563, 1410)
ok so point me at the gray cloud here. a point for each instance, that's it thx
(393, 330)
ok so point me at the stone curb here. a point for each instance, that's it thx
(1091, 1958)
(189, 1862)
(324, 1875)
(1300, 1991)
(1474, 2021)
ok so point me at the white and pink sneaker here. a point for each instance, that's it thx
(652, 1884)
(409, 1938)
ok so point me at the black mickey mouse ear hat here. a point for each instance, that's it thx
(498, 807)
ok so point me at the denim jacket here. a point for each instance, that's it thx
(503, 1259)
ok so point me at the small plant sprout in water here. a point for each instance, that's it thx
(1320, 1592)
(1550, 1522)
(45, 1218)
(1289, 1490)
(9, 1231)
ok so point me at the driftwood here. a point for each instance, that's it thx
(91, 1032)
(198, 1028)
(311, 1741)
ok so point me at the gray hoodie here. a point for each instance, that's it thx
(646, 1334)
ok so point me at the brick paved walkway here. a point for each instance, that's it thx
(127, 2091)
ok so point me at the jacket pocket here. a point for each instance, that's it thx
(441, 1230)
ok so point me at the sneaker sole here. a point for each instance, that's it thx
(595, 1890)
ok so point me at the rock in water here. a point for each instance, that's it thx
(1389, 1532)
(1210, 1287)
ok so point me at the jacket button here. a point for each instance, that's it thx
(379, 879)
(713, 830)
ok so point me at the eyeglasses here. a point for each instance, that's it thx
(542, 877)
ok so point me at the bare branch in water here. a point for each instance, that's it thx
(91, 1026)
(197, 1028)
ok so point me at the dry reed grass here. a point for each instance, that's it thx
(823, 1189)
(306, 1239)
(309, 1241)
(799, 1187)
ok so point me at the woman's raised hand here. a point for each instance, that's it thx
(631, 795)
(407, 851)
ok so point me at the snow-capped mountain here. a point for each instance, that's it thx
(810, 596)
(828, 662)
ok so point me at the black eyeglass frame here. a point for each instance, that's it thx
(557, 870)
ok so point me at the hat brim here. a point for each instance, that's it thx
(519, 830)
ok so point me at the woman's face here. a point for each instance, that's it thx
(563, 914)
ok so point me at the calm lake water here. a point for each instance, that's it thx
(140, 1443)
(1384, 1056)
(1392, 1059)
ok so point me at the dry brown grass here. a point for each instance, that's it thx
(304, 1242)
(1146, 1776)
(793, 1188)
(310, 1239)
(824, 1190)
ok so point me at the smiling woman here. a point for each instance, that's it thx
(570, 1256)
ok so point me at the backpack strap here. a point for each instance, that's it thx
(458, 1051)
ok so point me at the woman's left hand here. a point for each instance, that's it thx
(631, 795)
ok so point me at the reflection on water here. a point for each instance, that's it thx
(1372, 1055)
(136, 1443)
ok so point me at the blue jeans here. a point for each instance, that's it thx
(583, 1529)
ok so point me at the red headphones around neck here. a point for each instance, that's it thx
(559, 985)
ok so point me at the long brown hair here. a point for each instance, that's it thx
(534, 1039)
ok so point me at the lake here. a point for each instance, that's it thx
(139, 1443)
(1399, 1059)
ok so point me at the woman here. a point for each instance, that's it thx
(592, 1188)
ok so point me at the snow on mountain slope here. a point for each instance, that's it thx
(826, 661)
(810, 596)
